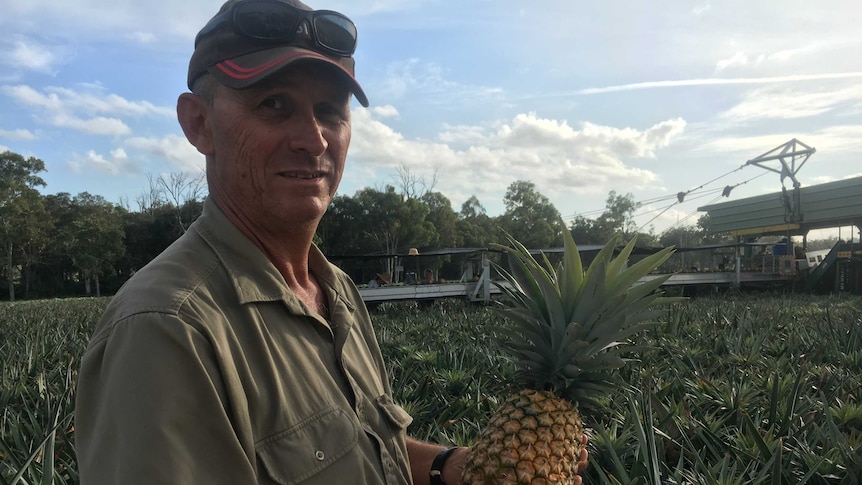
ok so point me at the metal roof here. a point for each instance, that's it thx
(820, 206)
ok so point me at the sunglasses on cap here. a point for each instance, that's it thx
(277, 22)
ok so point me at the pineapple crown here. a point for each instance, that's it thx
(569, 325)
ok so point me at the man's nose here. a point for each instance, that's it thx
(306, 135)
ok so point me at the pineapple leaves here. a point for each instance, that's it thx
(571, 324)
(570, 272)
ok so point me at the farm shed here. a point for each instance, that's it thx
(819, 206)
(796, 212)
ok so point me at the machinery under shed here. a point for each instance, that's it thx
(828, 205)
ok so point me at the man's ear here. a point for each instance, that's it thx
(193, 114)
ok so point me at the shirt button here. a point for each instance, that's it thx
(319, 455)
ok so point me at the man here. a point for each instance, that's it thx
(240, 355)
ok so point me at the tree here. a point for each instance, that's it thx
(617, 219)
(530, 217)
(685, 237)
(339, 231)
(710, 237)
(412, 186)
(35, 227)
(181, 192)
(475, 227)
(472, 208)
(55, 276)
(148, 233)
(374, 221)
(443, 218)
(393, 222)
(95, 238)
(19, 203)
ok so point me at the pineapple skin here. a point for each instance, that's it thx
(534, 437)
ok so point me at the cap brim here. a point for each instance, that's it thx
(247, 70)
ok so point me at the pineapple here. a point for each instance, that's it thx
(566, 337)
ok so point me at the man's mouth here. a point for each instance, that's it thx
(305, 176)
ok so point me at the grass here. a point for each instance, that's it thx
(739, 389)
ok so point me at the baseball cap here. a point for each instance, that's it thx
(239, 60)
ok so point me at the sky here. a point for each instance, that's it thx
(578, 97)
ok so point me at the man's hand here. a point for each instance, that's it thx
(454, 467)
(583, 460)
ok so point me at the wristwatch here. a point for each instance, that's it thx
(436, 473)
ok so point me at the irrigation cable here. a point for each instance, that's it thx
(679, 197)
(725, 192)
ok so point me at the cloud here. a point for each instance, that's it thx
(483, 160)
(84, 110)
(118, 163)
(27, 55)
(839, 139)
(140, 152)
(699, 11)
(387, 111)
(18, 134)
(173, 148)
(834, 140)
(782, 103)
(717, 82)
(461, 135)
(92, 102)
(86, 19)
(142, 37)
(93, 126)
(738, 59)
(420, 79)
(806, 54)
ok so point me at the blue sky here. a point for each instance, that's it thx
(580, 98)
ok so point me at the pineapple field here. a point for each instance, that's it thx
(729, 389)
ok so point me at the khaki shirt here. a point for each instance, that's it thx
(206, 369)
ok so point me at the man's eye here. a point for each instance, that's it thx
(329, 111)
(273, 103)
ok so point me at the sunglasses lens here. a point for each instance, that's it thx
(266, 21)
(336, 33)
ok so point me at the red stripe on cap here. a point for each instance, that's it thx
(238, 72)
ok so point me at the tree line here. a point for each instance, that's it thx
(62, 245)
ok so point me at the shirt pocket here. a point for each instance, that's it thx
(300, 452)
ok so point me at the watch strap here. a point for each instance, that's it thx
(436, 473)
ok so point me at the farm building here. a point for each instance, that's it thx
(796, 212)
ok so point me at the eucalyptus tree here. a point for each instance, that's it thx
(616, 220)
(476, 228)
(20, 206)
(95, 238)
(530, 217)
(443, 218)
(381, 222)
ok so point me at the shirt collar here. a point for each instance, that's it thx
(254, 276)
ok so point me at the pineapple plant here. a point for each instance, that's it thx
(566, 335)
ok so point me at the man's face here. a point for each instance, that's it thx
(278, 149)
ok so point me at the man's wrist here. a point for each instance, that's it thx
(436, 473)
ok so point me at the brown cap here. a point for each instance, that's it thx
(239, 62)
